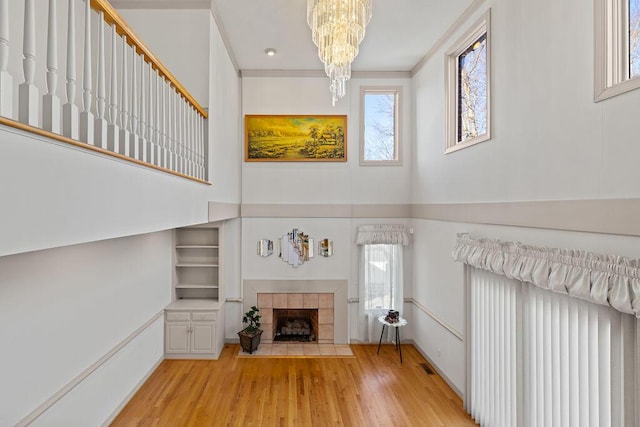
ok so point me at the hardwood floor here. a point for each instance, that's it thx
(367, 390)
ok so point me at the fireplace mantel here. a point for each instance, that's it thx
(337, 287)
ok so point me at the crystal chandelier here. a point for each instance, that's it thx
(338, 27)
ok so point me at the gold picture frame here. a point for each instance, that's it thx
(295, 138)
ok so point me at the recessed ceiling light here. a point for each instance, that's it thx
(270, 51)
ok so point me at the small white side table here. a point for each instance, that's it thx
(400, 323)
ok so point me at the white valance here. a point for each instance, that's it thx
(389, 234)
(601, 279)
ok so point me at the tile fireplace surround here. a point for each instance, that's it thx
(331, 294)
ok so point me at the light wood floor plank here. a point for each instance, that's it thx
(368, 390)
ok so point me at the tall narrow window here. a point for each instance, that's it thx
(379, 126)
(617, 47)
(468, 88)
(381, 276)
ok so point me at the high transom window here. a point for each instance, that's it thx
(380, 139)
(617, 47)
(468, 88)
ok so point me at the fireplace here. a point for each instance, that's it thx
(295, 324)
(328, 296)
(303, 317)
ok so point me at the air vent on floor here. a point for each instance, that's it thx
(427, 369)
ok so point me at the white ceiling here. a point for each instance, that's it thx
(399, 35)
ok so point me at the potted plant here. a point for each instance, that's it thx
(250, 336)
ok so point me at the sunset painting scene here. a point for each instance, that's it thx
(295, 138)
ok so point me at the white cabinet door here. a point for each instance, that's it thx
(177, 337)
(203, 337)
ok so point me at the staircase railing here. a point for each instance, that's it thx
(131, 106)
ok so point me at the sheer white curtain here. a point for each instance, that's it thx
(381, 276)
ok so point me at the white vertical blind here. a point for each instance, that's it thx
(493, 349)
(578, 359)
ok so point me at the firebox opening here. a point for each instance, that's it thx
(295, 325)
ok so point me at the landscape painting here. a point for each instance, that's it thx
(295, 138)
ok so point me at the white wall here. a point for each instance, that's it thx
(58, 195)
(180, 39)
(322, 182)
(317, 182)
(62, 309)
(550, 142)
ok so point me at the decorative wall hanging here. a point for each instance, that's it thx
(295, 138)
(296, 248)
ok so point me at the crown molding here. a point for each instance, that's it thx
(321, 73)
(161, 4)
(470, 10)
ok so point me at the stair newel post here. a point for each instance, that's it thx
(113, 130)
(124, 102)
(6, 79)
(134, 143)
(142, 127)
(27, 91)
(100, 134)
(70, 109)
(51, 107)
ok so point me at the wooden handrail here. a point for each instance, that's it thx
(111, 16)
(23, 127)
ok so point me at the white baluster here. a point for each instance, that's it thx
(6, 79)
(185, 136)
(101, 134)
(27, 91)
(192, 145)
(150, 116)
(70, 109)
(172, 129)
(134, 142)
(158, 133)
(194, 116)
(169, 126)
(180, 138)
(202, 147)
(144, 148)
(86, 116)
(51, 107)
(165, 122)
(113, 130)
(124, 102)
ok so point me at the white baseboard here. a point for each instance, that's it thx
(438, 370)
(126, 400)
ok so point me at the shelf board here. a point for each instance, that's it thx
(196, 264)
(194, 304)
(196, 286)
(197, 247)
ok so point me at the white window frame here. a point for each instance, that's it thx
(397, 90)
(611, 56)
(480, 27)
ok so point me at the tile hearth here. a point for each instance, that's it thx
(299, 349)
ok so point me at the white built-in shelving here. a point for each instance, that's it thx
(197, 263)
